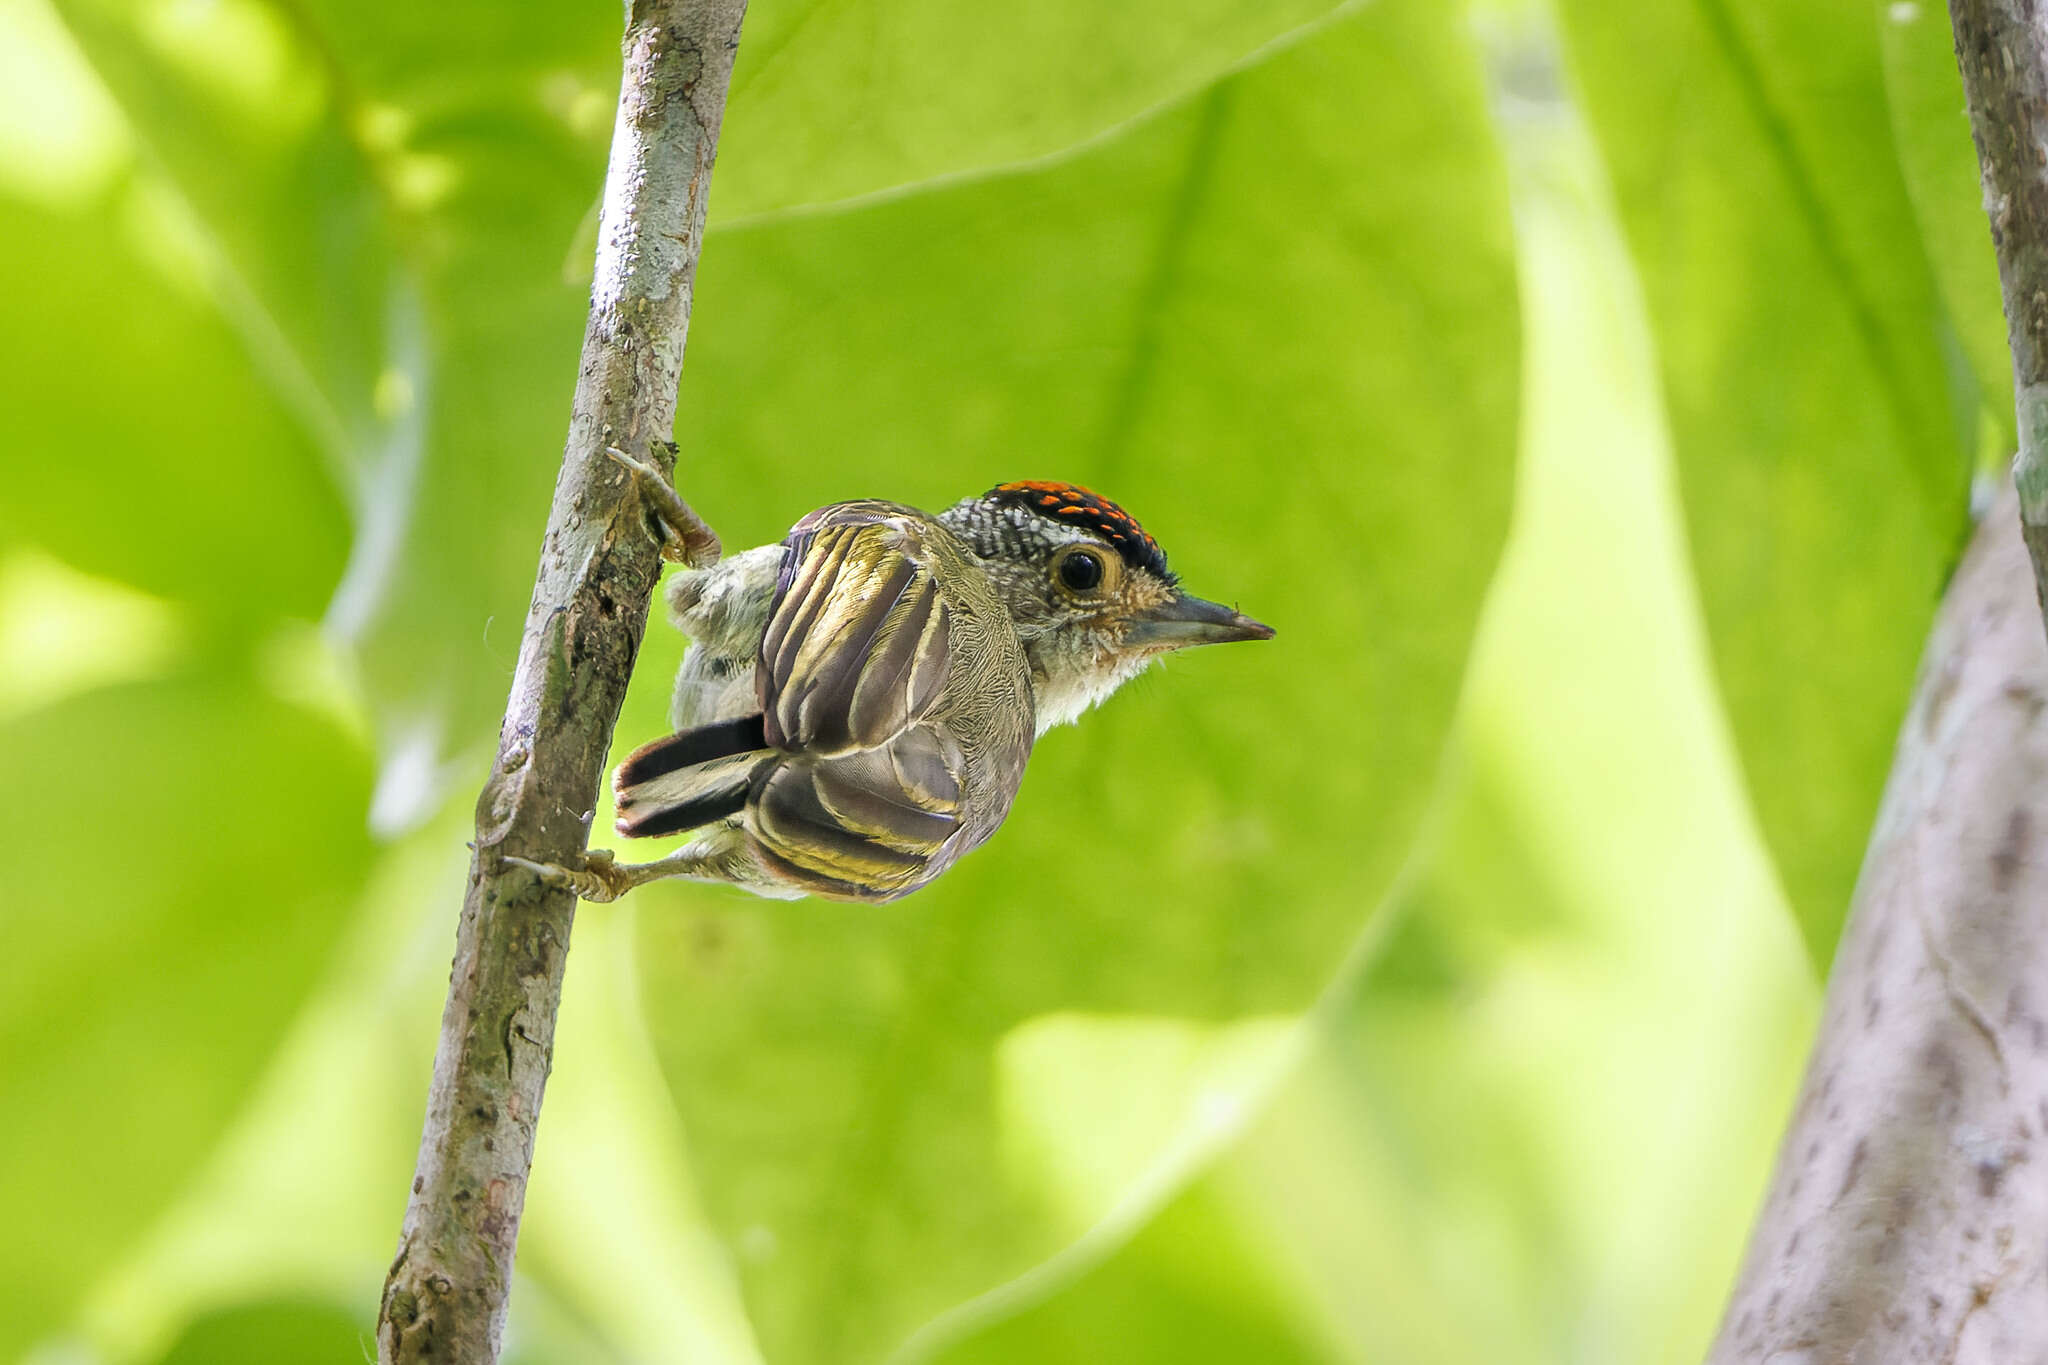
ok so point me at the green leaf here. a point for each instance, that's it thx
(1279, 324)
(1536, 1127)
(140, 444)
(1821, 452)
(1191, 1287)
(388, 200)
(833, 100)
(439, 630)
(1931, 127)
(518, 122)
(285, 226)
(1486, 1154)
(301, 1198)
(185, 858)
(1489, 1151)
(305, 1333)
(294, 1331)
(395, 272)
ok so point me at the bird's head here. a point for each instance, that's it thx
(1089, 591)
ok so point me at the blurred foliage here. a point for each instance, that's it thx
(133, 1018)
(1931, 126)
(1540, 1106)
(1186, 315)
(1823, 445)
(270, 1331)
(1417, 988)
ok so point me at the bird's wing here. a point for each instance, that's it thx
(857, 649)
(858, 643)
(866, 826)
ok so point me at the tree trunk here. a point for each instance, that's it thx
(1907, 1220)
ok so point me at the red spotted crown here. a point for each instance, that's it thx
(1078, 506)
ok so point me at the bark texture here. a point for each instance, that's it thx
(2002, 48)
(1907, 1220)
(446, 1296)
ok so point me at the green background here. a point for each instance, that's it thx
(1589, 394)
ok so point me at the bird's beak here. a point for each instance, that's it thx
(1185, 621)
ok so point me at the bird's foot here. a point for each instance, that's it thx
(601, 878)
(684, 536)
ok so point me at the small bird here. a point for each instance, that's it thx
(858, 702)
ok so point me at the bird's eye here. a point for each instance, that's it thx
(1081, 570)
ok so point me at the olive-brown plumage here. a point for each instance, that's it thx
(858, 703)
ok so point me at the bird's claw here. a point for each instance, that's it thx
(597, 880)
(684, 536)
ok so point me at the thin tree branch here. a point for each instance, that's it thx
(1905, 1219)
(2002, 48)
(445, 1298)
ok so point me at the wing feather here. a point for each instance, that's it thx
(875, 810)
(833, 672)
(926, 766)
(858, 644)
(791, 819)
(882, 696)
(933, 660)
(800, 598)
(858, 648)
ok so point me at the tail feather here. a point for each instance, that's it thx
(689, 779)
(698, 744)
